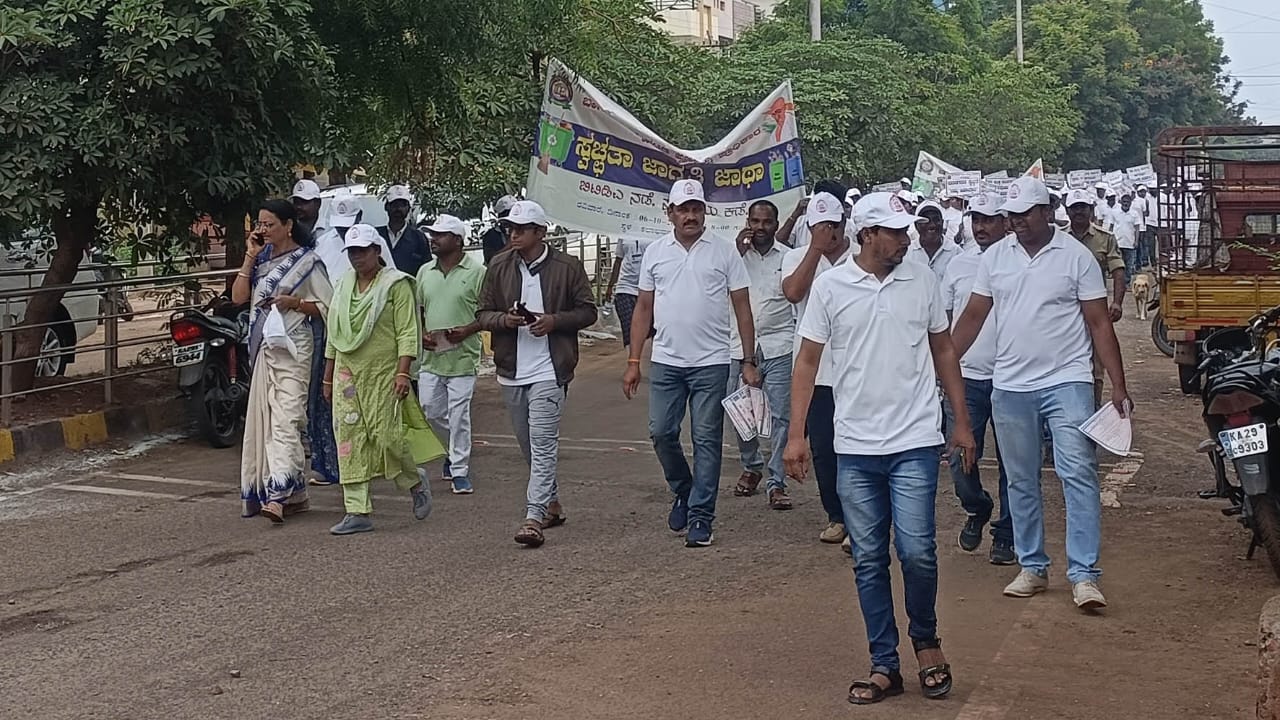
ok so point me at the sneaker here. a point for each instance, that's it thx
(833, 534)
(1087, 595)
(352, 524)
(700, 534)
(847, 546)
(462, 485)
(422, 502)
(1026, 584)
(678, 518)
(971, 534)
(1002, 553)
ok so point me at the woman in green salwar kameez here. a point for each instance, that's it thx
(379, 428)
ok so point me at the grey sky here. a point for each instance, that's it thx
(1251, 30)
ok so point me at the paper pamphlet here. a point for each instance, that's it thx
(1112, 432)
(442, 342)
(748, 410)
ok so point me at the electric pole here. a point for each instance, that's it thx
(1018, 22)
(815, 20)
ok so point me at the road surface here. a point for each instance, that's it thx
(131, 588)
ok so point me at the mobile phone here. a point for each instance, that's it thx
(523, 312)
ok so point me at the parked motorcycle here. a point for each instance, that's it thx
(1241, 395)
(210, 348)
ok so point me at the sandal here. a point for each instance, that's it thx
(554, 517)
(779, 500)
(273, 511)
(747, 484)
(297, 508)
(878, 692)
(942, 687)
(530, 534)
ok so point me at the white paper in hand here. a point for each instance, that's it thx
(1112, 432)
(738, 406)
(275, 335)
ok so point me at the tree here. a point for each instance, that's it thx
(148, 111)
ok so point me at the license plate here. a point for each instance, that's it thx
(184, 355)
(1242, 441)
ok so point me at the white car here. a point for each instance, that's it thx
(76, 317)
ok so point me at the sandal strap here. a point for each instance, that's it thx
(933, 643)
(939, 669)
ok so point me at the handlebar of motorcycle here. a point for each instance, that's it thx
(1265, 318)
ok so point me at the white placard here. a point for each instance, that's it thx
(1083, 179)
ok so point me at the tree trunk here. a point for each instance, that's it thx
(74, 233)
(232, 220)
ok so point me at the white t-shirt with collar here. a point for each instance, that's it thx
(957, 288)
(938, 263)
(774, 318)
(1125, 225)
(1041, 337)
(789, 265)
(533, 354)
(877, 334)
(691, 307)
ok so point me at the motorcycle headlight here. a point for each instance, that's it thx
(1233, 403)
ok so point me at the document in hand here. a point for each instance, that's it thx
(1112, 432)
(748, 410)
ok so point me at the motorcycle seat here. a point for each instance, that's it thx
(230, 326)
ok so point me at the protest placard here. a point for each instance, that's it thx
(1083, 179)
(1142, 174)
(964, 184)
(930, 171)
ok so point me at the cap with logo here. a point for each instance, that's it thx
(526, 212)
(345, 211)
(1079, 197)
(361, 236)
(882, 209)
(824, 207)
(1025, 193)
(926, 205)
(449, 224)
(683, 191)
(399, 192)
(504, 205)
(305, 190)
(986, 204)
(852, 196)
(907, 196)
(1101, 186)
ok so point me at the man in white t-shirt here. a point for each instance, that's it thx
(624, 283)
(793, 232)
(1126, 224)
(976, 366)
(882, 321)
(829, 247)
(933, 249)
(1050, 312)
(1146, 204)
(688, 280)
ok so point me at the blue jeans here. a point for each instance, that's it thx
(898, 491)
(776, 373)
(1018, 416)
(821, 427)
(701, 390)
(973, 498)
(1130, 256)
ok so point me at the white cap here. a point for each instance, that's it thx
(1079, 197)
(852, 196)
(305, 190)
(824, 207)
(1101, 186)
(987, 204)
(449, 224)
(1111, 192)
(683, 191)
(882, 209)
(1025, 193)
(344, 211)
(527, 212)
(906, 181)
(399, 192)
(907, 196)
(361, 236)
(928, 204)
(1140, 187)
(504, 204)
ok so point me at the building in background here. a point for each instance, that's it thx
(710, 22)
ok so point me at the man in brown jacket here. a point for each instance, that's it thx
(534, 301)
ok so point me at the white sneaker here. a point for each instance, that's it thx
(1087, 595)
(1026, 584)
(833, 533)
(847, 545)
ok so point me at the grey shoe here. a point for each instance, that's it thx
(1087, 595)
(422, 502)
(1026, 584)
(352, 524)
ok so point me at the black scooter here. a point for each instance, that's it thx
(1241, 398)
(210, 349)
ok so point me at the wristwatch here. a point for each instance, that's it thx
(749, 360)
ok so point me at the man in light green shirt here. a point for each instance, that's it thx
(448, 291)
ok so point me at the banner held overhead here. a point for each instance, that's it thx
(597, 168)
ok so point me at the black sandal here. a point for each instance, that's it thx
(943, 688)
(878, 693)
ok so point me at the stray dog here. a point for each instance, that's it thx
(1141, 289)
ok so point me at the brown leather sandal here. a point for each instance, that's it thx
(530, 534)
(779, 500)
(555, 516)
(747, 484)
(273, 511)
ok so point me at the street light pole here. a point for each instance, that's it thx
(1018, 22)
(815, 20)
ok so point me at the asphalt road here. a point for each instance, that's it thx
(131, 588)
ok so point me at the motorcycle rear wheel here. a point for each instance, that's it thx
(1266, 528)
(1160, 335)
(217, 416)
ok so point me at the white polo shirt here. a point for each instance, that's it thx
(789, 265)
(533, 354)
(877, 333)
(1125, 225)
(628, 254)
(957, 288)
(938, 263)
(1041, 336)
(774, 318)
(691, 308)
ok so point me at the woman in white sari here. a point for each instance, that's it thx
(281, 272)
